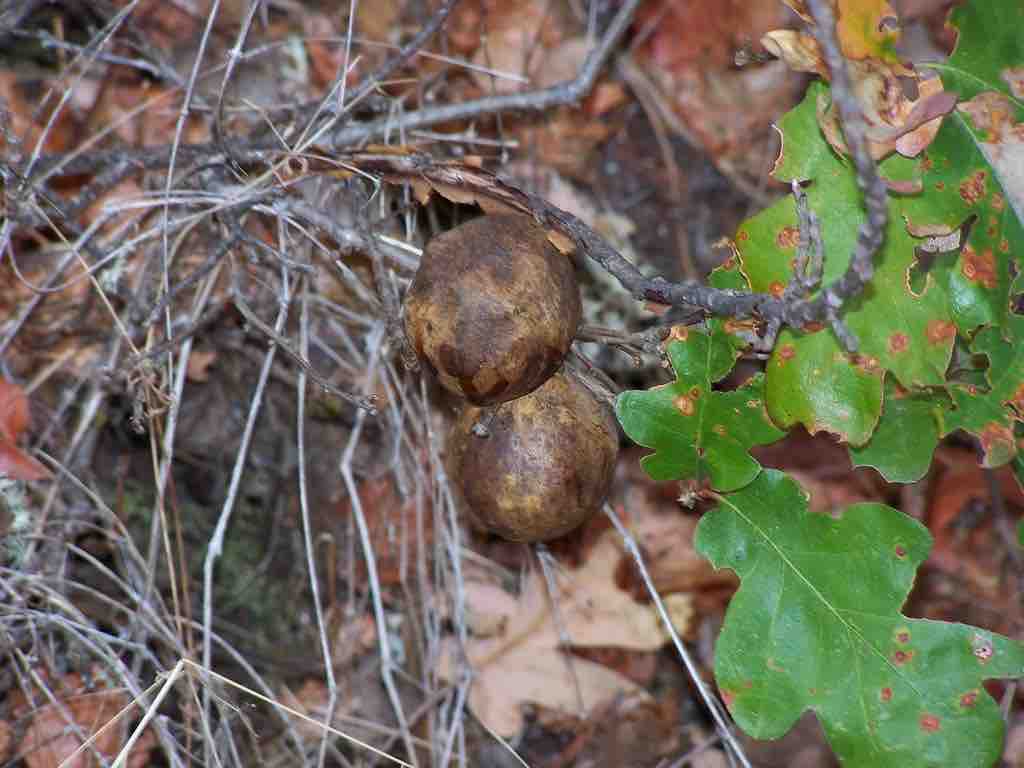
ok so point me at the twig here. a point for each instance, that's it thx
(216, 544)
(713, 705)
(561, 94)
(387, 660)
(876, 201)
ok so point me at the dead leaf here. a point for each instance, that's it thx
(518, 36)
(867, 31)
(199, 363)
(524, 663)
(52, 735)
(311, 699)
(14, 462)
(394, 529)
(958, 517)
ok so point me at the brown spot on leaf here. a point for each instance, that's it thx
(1004, 246)
(898, 343)
(788, 237)
(926, 163)
(1014, 77)
(679, 333)
(1017, 401)
(867, 363)
(743, 235)
(997, 439)
(903, 636)
(979, 268)
(998, 202)
(929, 723)
(972, 189)
(787, 352)
(728, 697)
(776, 289)
(969, 699)
(720, 430)
(939, 186)
(901, 657)
(982, 649)
(940, 331)
(684, 405)
(814, 326)
(886, 694)
(901, 551)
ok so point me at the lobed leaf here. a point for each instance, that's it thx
(993, 414)
(700, 436)
(816, 624)
(902, 445)
(899, 329)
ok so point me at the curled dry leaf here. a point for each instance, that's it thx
(895, 122)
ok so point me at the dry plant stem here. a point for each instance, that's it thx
(872, 231)
(234, 54)
(263, 151)
(307, 528)
(714, 707)
(70, 724)
(216, 544)
(178, 129)
(100, 40)
(549, 569)
(345, 466)
(569, 92)
(404, 54)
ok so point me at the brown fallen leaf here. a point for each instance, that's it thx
(52, 735)
(522, 662)
(14, 462)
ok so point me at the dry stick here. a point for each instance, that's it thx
(216, 544)
(547, 567)
(452, 538)
(562, 94)
(101, 39)
(165, 267)
(307, 528)
(403, 55)
(70, 724)
(345, 466)
(234, 54)
(714, 707)
(872, 231)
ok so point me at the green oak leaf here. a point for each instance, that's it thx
(971, 170)
(989, 50)
(992, 413)
(899, 329)
(902, 445)
(737, 333)
(700, 436)
(811, 381)
(816, 624)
